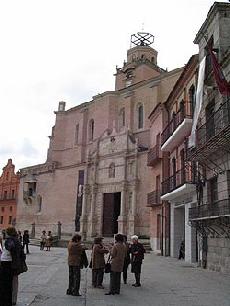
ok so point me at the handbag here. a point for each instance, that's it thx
(108, 265)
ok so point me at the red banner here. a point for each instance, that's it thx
(223, 85)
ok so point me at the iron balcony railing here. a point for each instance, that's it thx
(177, 119)
(154, 198)
(214, 124)
(154, 155)
(181, 177)
(217, 209)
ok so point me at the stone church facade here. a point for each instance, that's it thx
(95, 179)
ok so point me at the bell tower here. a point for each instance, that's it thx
(141, 62)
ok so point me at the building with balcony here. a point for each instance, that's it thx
(178, 185)
(211, 215)
(157, 162)
(9, 184)
(95, 179)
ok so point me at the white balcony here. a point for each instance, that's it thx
(183, 130)
(179, 192)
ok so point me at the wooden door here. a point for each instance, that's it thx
(108, 211)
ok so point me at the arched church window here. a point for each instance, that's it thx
(91, 129)
(111, 170)
(122, 118)
(140, 116)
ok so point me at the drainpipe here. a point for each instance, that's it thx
(162, 230)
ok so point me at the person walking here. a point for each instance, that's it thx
(98, 262)
(49, 240)
(182, 250)
(137, 255)
(118, 253)
(43, 240)
(26, 241)
(75, 252)
(12, 262)
(127, 259)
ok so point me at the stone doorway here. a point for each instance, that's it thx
(111, 212)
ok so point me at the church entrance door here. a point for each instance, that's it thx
(111, 212)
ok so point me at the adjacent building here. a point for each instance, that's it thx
(9, 184)
(210, 217)
(158, 163)
(96, 178)
(179, 179)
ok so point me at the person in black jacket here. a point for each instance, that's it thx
(127, 259)
(26, 241)
(137, 255)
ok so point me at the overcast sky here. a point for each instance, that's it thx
(67, 50)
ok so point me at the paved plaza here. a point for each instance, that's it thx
(165, 281)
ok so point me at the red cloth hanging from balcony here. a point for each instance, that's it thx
(223, 85)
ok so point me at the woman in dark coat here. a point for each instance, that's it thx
(12, 260)
(98, 263)
(137, 255)
(76, 260)
(127, 259)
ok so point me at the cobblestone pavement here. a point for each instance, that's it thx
(165, 281)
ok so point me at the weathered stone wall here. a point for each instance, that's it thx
(218, 257)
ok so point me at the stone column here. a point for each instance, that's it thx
(83, 219)
(122, 217)
(92, 218)
(32, 235)
(131, 230)
(132, 216)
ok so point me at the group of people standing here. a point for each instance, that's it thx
(12, 263)
(120, 255)
(46, 240)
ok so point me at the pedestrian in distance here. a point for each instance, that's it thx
(118, 253)
(127, 259)
(137, 255)
(49, 240)
(76, 251)
(98, 262)
(43, 240)
(26, 241)
(20, 237)
(12, 264)
(182, 250)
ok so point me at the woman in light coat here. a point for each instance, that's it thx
(118, 253)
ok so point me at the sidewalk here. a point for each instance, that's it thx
(165, 281)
